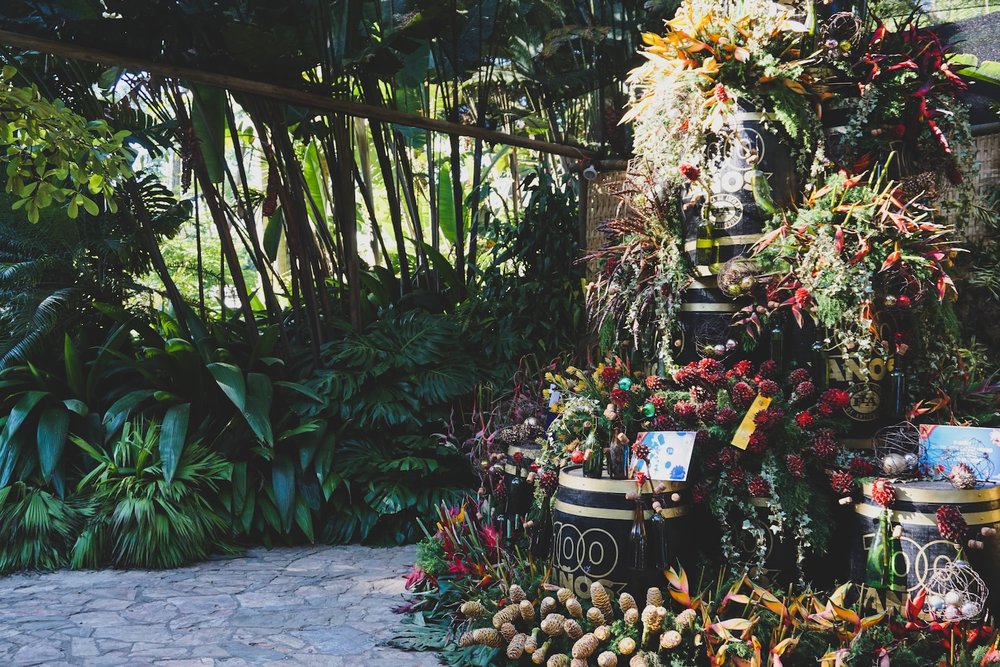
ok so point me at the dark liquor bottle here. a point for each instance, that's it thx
(638, 538)
(541, 538)
(593, 464)
(659, 548)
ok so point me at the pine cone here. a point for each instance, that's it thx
(578, 662)
(573, 629)
(685, 619)
(670, 639)
(472, 609)
(574, 608)
(654, 597)
(558, 660)
(507, 630)
(883, 492)
(632, 616)
(842, 483)
(564, 594)
(758, 487)
(531, 643)
(516, 647)
(626, 602)
(508, 614)
(516, 593)
(466, 639)
(649, 617)
(626, 646)
(552, 625)
(547, 606)
(637, 661)
(601, 599)
(527, 611)
(603, 633)
(962, 476)
(607, 659)
(487, 637)
(595, 616)
(951, 524)
(585, 646)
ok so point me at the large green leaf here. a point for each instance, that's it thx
(446, 204)
(53, 425)
(283, 482)
(173, 435)
(258, 406)
(230, 380)
(208, 119)
(121, 409)
(20, 413)
(74, 370)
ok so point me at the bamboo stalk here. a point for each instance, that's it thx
(285, 94)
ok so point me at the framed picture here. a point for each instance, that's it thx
(945, 445)
(669, 454)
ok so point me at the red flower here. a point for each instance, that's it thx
(491, 537)
(659, 403)
(737, 477)
(861, 467)
(720, 93)
(458, 567)
(685, 410)
(576, 456)
(767, 370)
(726, 417)
(798, 376)
(768, 388)
(706, 411)
(415, 577)
(690, 172)
(640, 479)
(742, 394)
(620, 397)
(805, 389)
(609, 376)
(804, 419)
(824, 444)
(641, 451)
(739, 370)
(838, 399)
(518, 456)
(768, 418)
(801, 297)
(549, 481)
(903, 301)
(662, 423)
(757, 442)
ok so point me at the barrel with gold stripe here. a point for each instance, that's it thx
(705, 320)
(923, 548)
(757, 178)
(529, 451)
(592, 519)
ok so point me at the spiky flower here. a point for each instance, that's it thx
(883, 492)
(595, 617)
(962, 476)
(796, 465)
(842, 483)
(759, 487)
(626, 602)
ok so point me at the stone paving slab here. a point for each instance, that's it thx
(311, 606)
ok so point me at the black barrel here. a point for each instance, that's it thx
(592, 520)
(922, 546)
(867, 385)
(704, 322)
(757, 174)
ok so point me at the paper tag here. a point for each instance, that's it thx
(742, 436)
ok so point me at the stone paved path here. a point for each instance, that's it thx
(313, 606)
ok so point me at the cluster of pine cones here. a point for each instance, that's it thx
(542, 632)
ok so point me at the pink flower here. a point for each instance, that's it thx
(690, 172)
(415, 577)
(491, 537)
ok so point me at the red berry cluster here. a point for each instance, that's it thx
(620, 397)
(610, 376)
(824, 444)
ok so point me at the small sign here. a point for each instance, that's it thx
(742, 436)
(945, 445)
(669, 454)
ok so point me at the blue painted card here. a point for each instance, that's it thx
(669, 454)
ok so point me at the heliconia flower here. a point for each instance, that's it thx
(720, 93)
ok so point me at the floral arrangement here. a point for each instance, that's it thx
(859, 261)
(738, 624)
(714, 59)
(907, 103)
